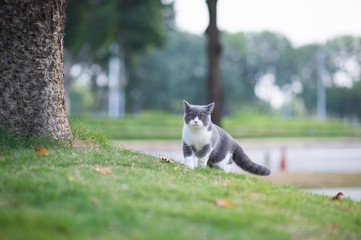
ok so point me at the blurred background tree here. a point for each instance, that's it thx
(97, 30)
(164, 65)
(214, 53)
(135, 25)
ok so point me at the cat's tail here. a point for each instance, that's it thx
(243, 161)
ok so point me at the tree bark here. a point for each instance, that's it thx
(214, 88)
(32, 99)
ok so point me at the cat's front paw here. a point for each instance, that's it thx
(202, 163)
(188, 162)
(189, 165)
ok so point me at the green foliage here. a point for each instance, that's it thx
(343, 58)
(82, 100)
(345, 101)
(61, 196)
(160, 78)
(178, 71)
(134, 25)
(171, 74)
(248, 56)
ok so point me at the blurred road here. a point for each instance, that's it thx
(327, 155)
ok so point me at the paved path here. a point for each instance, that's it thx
(338, 155)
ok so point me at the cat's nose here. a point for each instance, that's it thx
(195, 122)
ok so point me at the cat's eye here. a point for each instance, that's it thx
(191, 116)
(201, 117)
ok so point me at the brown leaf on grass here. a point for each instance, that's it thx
(229, 184)
(338, 196)
(105, 171)
(331, 226)
(180, 167)
(41, 151)
(71, 178)
(94, 201)
(223, 203)
(167, 160)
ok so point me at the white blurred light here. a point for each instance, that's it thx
(342, 79)
(266, 90)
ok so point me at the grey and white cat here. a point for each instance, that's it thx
(207, 144)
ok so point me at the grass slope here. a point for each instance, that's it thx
(61, 196)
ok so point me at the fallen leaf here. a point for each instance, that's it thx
(229, 184)
(94, 201)
(71, 178)
(331, 226)
(338, 196)
(223, 203)
(41, 151)
(180, 167)
(105, 171)
(167, 160)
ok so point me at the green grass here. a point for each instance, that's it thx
(150, 125)
(61, 196)
(161, 125)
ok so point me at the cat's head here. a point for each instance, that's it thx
(197, 116)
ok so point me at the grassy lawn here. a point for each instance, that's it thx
(96, 191)
(161, 125)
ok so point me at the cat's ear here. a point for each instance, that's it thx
(210, 107)
(186, 105)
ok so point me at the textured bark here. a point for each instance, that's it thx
(32, 99)
(215, 93)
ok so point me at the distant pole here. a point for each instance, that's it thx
(114, 92)
(321, 90)
(116, 83)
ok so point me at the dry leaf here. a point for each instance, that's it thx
(331, 226)
(94, 201)
(41, 151)
(105, 171)
(71, 178)
(167, 160)
(180, 167)
(229, 184)
(223, 203)
(338, 196)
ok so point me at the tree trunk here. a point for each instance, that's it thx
(32, 99)
(214, 48)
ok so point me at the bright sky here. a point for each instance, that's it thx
(302, 21)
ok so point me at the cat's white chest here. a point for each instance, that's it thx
(196, 137)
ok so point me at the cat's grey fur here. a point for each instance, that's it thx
(204, 143)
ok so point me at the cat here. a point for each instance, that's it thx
(206, 144)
